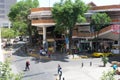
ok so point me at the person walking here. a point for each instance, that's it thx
(60, 74)
(27, 65)
(59, 68)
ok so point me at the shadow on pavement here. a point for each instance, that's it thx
(20, 53)
(33, 74)
(19, 60)
(54, 57)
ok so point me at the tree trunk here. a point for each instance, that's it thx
(70, 41)
(104, 64)
(30, 31)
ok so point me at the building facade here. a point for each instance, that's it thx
(5, 6)
(82, 34)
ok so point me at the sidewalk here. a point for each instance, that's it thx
(85, 73)
(77, 72)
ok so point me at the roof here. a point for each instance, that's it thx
(105, 7)
(92, 4)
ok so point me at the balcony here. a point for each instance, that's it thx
(41, 9)
(90, 35)
(45, 22)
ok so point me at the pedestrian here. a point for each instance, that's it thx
(49, 54)
(41, 50)
(60, 74)
(115, 68)
(46, 50)
(27, 65)
(59, 68)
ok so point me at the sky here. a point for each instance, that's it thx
(49, 3)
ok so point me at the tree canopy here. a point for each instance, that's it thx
(66, 14)
(7, 33)
(6, 72)
(18, 15)
(99, 20)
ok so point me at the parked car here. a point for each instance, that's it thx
(101, 54)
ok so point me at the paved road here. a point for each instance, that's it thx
(46, 69)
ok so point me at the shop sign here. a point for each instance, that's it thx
(115, 29)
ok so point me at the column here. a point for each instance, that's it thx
(44, 36)
(91, 44)
(67, 40)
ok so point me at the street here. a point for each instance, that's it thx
(46, 69)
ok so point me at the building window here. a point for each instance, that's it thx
(2, 11)
(2, 16)
(1, 1)
(5, 24)
(115, 42)
(2, 6)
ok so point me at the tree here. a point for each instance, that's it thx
(66, 14)
(19, 16)
(20, 27)
(6, 72)
(7, 33)
(99, 21)
(108, 75)
(105, 60)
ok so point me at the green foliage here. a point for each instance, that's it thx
(98, 20)
(6, 72)
(18, 15)
(105, 60)
(108, 75)
(7, 33)
(81, 19)
(20, 27)
(66, 13)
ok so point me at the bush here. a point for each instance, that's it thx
(108, 75)
(6, 72)
(105, 60)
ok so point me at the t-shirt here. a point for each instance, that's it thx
(114, 66)
(41, 51)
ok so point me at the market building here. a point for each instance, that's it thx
(83, 34)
